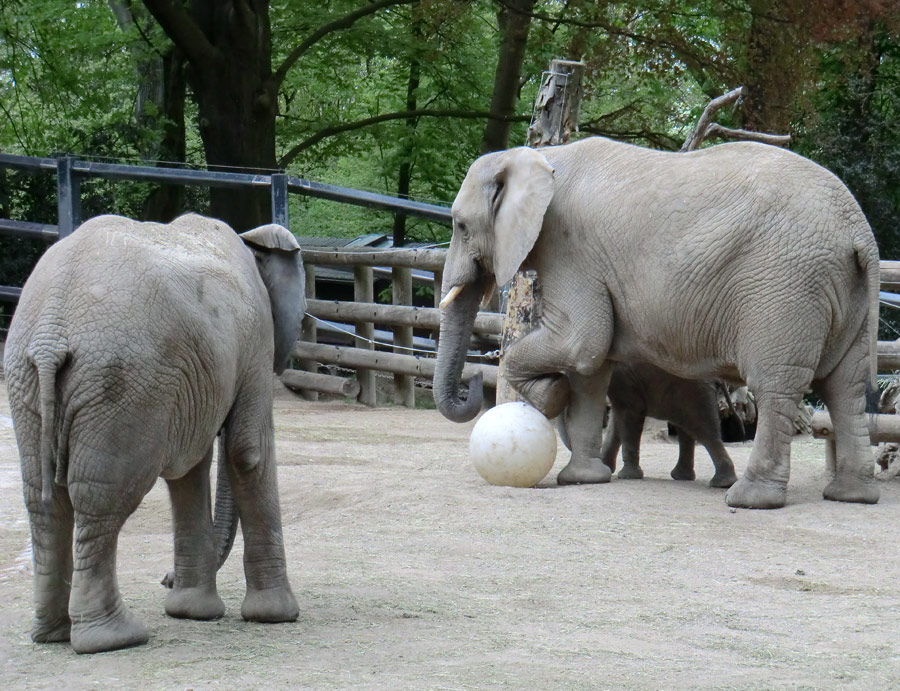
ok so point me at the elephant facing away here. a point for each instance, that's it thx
(133, 345)
(637, 391)
(740, 262)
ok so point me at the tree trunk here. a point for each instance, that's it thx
(166, 202)
(404, 176)
(236, 105)
(514, 19)
(160, 84)
(774, 63)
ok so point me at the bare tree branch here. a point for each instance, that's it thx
(184, 32)
(699, 134)
(338, 24)
(715, 130)
(386, 117)
(708, 130)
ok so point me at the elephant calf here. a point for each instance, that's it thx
(637, 391)
(133, 345)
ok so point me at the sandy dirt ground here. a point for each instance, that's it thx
(413, 573)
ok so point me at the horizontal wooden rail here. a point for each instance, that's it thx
(389, 362)
(427, 259)
(890, 275)
(395, 315)
(888, 356)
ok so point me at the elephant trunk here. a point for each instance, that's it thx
(225, 523)
(457, 321)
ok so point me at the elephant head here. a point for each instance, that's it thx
(497, 217)
(280, 267)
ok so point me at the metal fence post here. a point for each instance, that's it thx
(280, 199)
(68, 196)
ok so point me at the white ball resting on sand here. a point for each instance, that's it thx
(513, 445)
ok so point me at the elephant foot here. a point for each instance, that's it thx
(631, 472)
(851, 489)
(57, 630)
(202, 603)
(584, 472)
(119, 630)
(723, 480)
(756, 494)
(548, 393)
(684, 474)
(270, 605)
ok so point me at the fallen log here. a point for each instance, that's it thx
(300, 380)
(882, 428)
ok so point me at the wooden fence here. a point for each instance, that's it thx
(400, 358)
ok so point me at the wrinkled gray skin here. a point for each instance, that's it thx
(740, 262)
(133, 345)
(637, 391)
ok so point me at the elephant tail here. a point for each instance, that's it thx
(47, 361)
(225, 523)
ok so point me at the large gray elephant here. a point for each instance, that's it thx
(637, 391)
(740, 262)
(133, 345)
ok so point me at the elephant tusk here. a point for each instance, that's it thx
(488, 294)
(450, 296)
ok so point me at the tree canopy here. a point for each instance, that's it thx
(399, 96)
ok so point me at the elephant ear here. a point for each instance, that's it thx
(280, 267)
(522, 191)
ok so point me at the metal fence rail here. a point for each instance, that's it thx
(70, 171)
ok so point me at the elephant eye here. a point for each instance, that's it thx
(461, 227)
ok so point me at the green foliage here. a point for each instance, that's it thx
(853, 128)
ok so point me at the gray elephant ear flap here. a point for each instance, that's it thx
(280, 267)
(523, 190)
(271, 237)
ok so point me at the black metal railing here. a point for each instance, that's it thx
(70, 171)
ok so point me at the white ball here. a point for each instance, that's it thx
(513, 444)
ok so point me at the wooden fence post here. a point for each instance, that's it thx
(364, 291)
(404, 385)
(308, 331)
(555, 116)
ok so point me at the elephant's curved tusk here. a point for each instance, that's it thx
(488, 294)
(450, 296)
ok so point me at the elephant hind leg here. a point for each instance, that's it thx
(843, 392)
(764, 484)
(100, 619)
(193, 594)
(51, 540)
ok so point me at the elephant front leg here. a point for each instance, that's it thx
(684, 467)
(193, 594)
(584, 425)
